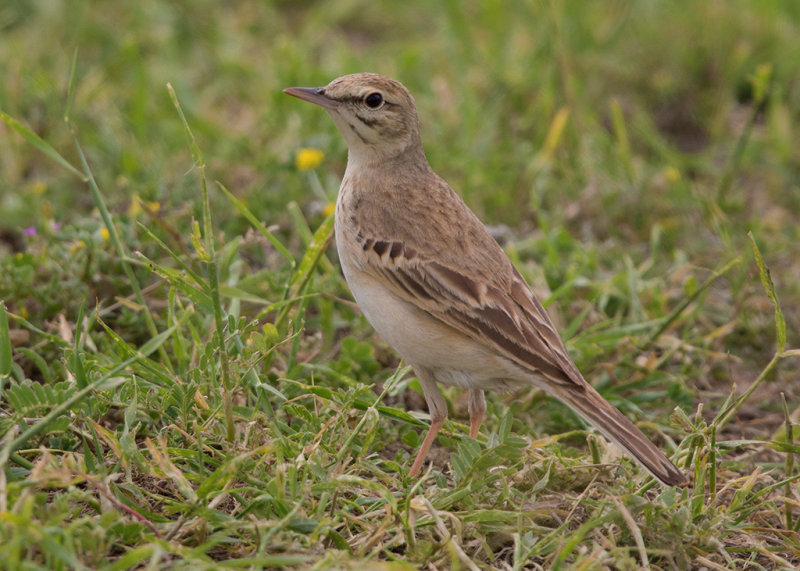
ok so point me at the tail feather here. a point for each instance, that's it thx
(616, 427)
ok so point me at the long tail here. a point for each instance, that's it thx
(601, 414)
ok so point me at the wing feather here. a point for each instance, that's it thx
(510, 319)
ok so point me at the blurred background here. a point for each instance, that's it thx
(489, 78)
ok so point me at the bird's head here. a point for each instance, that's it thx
(375, 114)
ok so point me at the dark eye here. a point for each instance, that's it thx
(373, 100)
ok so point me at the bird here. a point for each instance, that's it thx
(434, 283)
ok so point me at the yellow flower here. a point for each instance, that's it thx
(672, 174)
(135, 207)
(38, 187)
(79, 245)
(330, 207)
(104, 234)
(308, 159)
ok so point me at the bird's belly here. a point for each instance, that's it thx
(424, 341)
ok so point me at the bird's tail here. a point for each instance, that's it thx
(601, 414)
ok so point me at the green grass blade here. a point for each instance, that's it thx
(209, 244)
(311, 258)
(6, 357)
(681, 307)
(769, 288)
(316, 249)
(71, 90)
(26, 133)
(178, 259)
(77, 350)
(119, 247)
(195, 290)
(197, 155)
(247, 213)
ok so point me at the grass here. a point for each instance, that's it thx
(185, 381)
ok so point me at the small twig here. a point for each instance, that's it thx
(178, 525)
(634, 529)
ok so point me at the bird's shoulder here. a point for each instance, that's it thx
(425, 215)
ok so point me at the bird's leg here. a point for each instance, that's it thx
(437, 408)
(426, 445)
(476, 407)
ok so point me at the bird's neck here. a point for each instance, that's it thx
(368, 160)
(381, 182)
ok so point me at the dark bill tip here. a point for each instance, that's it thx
(314, 95)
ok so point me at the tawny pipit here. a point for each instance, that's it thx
(434, 283)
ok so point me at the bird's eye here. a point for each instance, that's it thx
(373, 100)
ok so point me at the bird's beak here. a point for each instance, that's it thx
(314, 95)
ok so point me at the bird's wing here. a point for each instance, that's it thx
(502, 313)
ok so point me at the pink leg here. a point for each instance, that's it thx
(426, 445)
(477, 408)
(437, 408)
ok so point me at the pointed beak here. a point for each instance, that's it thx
(314, 95)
